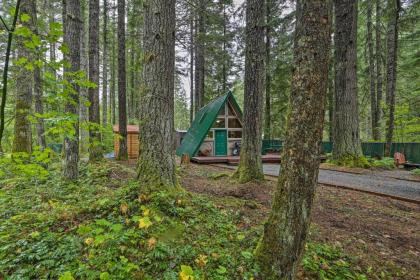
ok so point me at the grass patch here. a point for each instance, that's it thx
(104, 227)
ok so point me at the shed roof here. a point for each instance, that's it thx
(131, 128)
(203, 121)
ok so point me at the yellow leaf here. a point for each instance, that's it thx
(151, 243)
(146, 212)
(201, 261)
(145, 222)
(88, 241)
(124, 208)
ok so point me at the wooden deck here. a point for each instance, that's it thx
(233, 160)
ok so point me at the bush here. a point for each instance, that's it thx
(385, 163)
(415, 172)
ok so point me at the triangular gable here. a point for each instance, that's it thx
(203, 121)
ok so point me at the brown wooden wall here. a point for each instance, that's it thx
(132, 145)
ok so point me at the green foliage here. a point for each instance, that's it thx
(104, 227)
(363, 162)
(325, 262)
(415, 172)
(351, 161)
(385, 163)
(22, 168)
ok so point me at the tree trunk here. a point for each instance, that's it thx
(391, 69)
(95, 150)
(122, 103)
(346, 118)
(199, 56)
(267, 111)
(250, 165)
(84, 61)
(378, 58)
(6, 71)
(132, 78)
(22, 141)
(285, 232)
(113, 73)
(72, 38)
(105, 66)
(191, 65)
(156, 165)
(39, 109)
(371, 66)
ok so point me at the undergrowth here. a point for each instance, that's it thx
(104, 227)
(364, 162)
(415, 172)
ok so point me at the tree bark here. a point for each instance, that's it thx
(105, 66)
(95, 150)
(84, 96)
(285, 232)
(22, 141)
(372, 76)
(72, 38)
(199, 56)
(346, 118)
(378, 58)
(250, 165)
(38, 89)
(191, 65)
(267, 111)
(113, 74)
(156, 165)
(391, 71)
(122, 103)
(6, 71)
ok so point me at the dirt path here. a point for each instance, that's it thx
(380, 232)
(369, 181)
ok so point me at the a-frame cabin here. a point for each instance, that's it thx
(215, 129)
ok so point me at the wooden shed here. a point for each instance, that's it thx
(132, 140)
(216, 128)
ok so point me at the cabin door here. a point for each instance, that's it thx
(220, 142)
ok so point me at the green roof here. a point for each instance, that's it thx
(202, 123)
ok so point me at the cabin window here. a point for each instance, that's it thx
(236, 134)
(219, 123)
(234, 123)
(210, 134)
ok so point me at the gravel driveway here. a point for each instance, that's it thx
(367, 182)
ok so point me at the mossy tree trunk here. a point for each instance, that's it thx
(250, 165)
(122, 88)
(280, 250)
(95, 150)
(156, 164)
(72, 38)
(105, 65)
(394, 7)
(38, 89)
(346, 114)
(22, 141)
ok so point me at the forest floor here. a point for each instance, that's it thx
(107, 225)
(382, 233)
